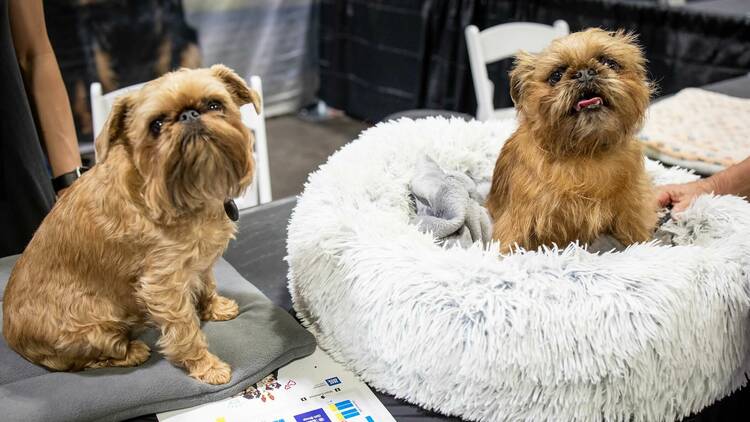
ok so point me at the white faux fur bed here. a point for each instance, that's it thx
(651, 333)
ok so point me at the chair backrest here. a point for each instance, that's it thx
(259, 191)
(101, 104)
(500, 42)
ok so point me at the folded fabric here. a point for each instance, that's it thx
(448, 205)
(261, 339)
(699, 129)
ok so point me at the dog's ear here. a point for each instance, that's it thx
(523, 66)
(114, 127)
(236, 86)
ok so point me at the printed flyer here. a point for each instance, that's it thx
(313, 389)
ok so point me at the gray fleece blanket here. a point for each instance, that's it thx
(261, 339)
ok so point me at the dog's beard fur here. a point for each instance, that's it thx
(201, 154)
(199, 165)
(573, 170)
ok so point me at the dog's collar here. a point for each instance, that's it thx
(231, 209)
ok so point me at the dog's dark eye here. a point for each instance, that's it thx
(214, 105)
(555, 77)
(611, 63)
(156, 126)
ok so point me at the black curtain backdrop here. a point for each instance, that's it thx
(380, 57)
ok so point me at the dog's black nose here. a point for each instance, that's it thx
(585, 75)
(189, 115)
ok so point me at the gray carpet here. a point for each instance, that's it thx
(296, 147)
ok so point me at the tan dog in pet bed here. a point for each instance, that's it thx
(573, 169)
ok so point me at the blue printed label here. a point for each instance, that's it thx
(333, 381)
(317, 415)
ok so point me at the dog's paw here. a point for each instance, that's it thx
(220, 309)
(211, 370)
(138, 352)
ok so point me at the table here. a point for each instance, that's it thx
(721, 7)
(260, 247)
(736, 87)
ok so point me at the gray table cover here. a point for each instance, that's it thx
(261, 339)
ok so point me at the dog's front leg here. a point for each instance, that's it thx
(635, 223)
(212, 306)
(170, 304)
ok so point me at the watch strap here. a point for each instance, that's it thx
(66, 179)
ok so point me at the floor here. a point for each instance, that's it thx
(296, 147)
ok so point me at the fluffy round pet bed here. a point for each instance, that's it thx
(651, 333)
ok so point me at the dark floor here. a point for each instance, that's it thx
(297, 147)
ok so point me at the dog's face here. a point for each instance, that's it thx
(585, 92)
(184, 135)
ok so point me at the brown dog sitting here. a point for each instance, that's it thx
(573, 169)
(135, 239)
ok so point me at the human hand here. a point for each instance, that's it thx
(680, 196)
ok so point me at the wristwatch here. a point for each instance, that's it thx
(66, 179)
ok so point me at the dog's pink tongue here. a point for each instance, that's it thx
(589, 102)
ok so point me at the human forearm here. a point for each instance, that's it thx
(55, 120)
(44, 85)
(735, 180)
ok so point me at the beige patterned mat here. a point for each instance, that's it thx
(697, 126)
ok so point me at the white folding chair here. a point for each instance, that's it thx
(500, 42)
(259, 191)
(101, 104)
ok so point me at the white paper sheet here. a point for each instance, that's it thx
(313, 389)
